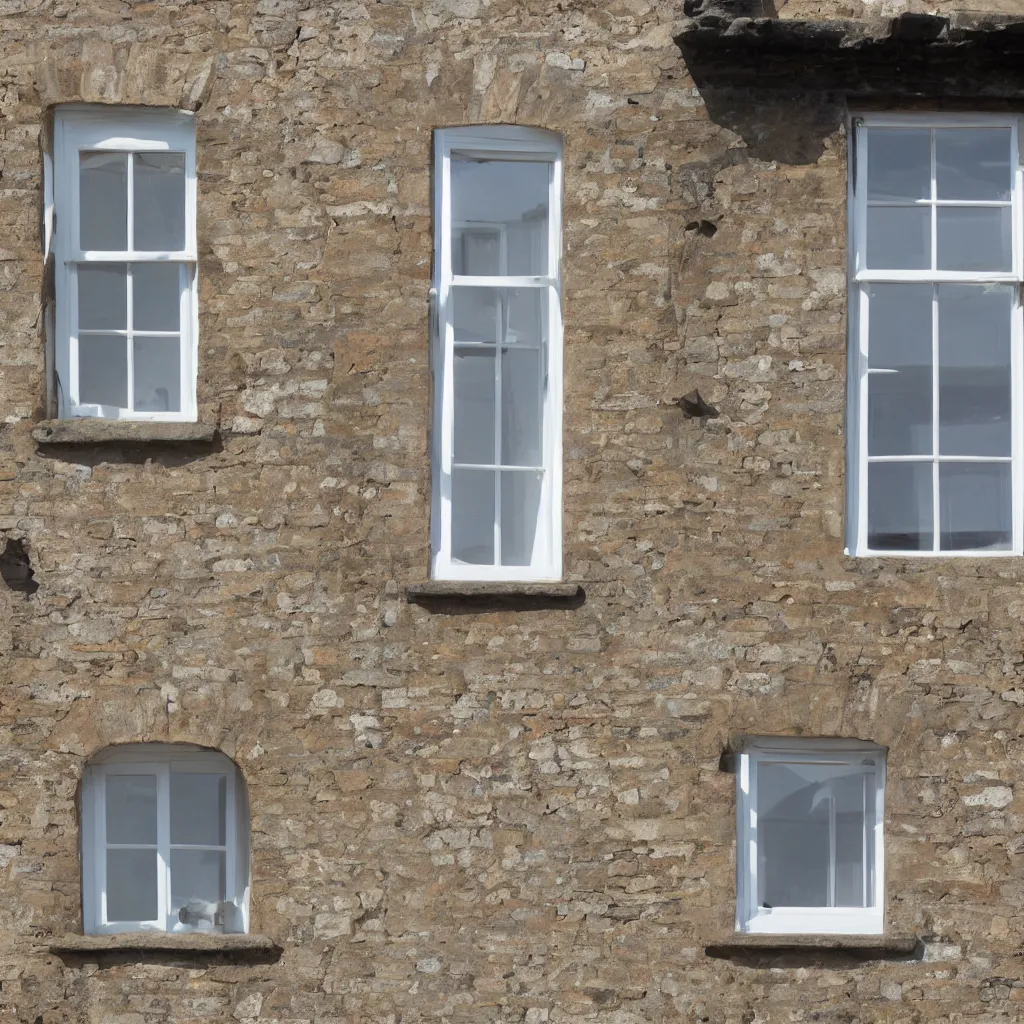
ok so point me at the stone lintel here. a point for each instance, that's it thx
(924, 56)
(862, 947)
(87, 431)
(187, 943)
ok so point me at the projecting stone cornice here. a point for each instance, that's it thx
(733, 44)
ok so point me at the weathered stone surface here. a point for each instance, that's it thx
(94, 431)
(78, 945)
(504, 814)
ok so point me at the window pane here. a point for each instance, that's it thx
(854, 843)
(156, 296)
(131, 809)
(157, 365)
(899, 163)
(103, 370)
(792, 840)
(103, 297)
(476, 314)
(899, 238)
(196, 875)
(974, 370)
(974, 238)
(900, 506)
(900, 345)
(159, 201)
(103, 201)
(198, 808)
(473, 516)
(474, 405)
(975, 506)
(131, 885)
(521, 408)
(499, 216)
(973, 163)
(520, 509)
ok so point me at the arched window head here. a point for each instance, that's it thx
(165, 841)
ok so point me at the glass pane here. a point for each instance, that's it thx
(477, 314)
(473, 516)
(900, 346)
(975, 506)
(198, 876)
(103, 297)
(474, 405)
(854, 797)
(156, 296)
(157, 385)
(520, 508)
(198, 808)
(131, 885)
(103, 201)
(499, 216)
(131, 809)
(974, 370)
(974, 238)
(973, 163)
(159, 201)
(899, 238)
(103, 370)
(899, 164)
(900, 506)
(521, 409)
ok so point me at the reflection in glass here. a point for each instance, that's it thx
(157, 374)
(521, 417)
(159, 201)
(975, 506)
(520, 507)
(103, 370)
(131, 809)
(974, 370)
(103, 296)
(973, 164)
(473, 516)
(502, 208)
(899, 238)
(103, 201)
(474, 405)
(198, 808)
(131, 885)
(974, 238)
(900, 348)
(900, 506)
(899, 163)
(156, 296)
(196, 875)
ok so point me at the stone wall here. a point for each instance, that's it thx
(483, 814)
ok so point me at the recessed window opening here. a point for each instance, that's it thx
(498, 355)
(936, 329)
(809, 815)
(165, 841)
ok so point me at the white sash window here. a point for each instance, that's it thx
(498, 355)
(810, 849)
(124, 242)
(935, 375)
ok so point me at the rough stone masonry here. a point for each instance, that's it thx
(482, 813)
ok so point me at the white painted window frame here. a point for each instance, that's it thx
(505, 142)
(750, 918)
(159, 760)
(132, 130)
(861, 277)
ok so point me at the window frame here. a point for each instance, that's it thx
(159, 760)
(752, 919)
(504, 142)
(129, 130)
(861, 278)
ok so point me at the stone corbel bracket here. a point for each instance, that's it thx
(731, 44)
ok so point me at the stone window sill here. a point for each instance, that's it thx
(87, 431)
(805, 948)
(128, 944)
(446, 595)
